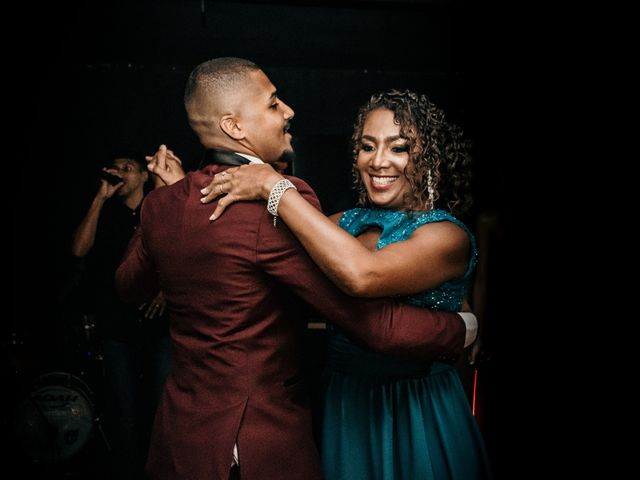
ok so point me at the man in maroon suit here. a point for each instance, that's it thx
(234, 394)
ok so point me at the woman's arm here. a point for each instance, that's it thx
(435, 252)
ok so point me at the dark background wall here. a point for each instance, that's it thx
(107, 75)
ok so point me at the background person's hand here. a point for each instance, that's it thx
(107, 190)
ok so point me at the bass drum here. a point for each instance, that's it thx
(56, 419)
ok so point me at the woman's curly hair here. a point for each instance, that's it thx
(436, 147)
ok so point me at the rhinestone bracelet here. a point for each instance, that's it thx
(275, 195)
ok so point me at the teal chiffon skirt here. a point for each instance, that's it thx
(389, 419)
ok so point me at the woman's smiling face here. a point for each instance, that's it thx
(382, 159)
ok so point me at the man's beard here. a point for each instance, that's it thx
(288, 156)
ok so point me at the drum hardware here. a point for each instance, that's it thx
(57, 418)
(88, 327)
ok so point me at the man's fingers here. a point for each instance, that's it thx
(158, 161)
(161, 157)
(173, 156)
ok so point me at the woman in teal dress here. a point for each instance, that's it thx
(388, 417)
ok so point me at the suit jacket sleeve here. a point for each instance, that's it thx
(382, 324)
(136, 277)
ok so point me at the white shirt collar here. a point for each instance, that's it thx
(251, 158)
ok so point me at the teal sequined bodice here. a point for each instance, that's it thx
(348, 357)
(399, 225)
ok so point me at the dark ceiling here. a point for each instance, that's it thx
(389, 35)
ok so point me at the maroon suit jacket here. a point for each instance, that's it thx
(228, 286)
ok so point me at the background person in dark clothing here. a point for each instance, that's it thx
(133, 340)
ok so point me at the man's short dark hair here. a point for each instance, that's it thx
(217, 74)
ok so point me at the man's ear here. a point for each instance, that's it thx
(230, 125)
